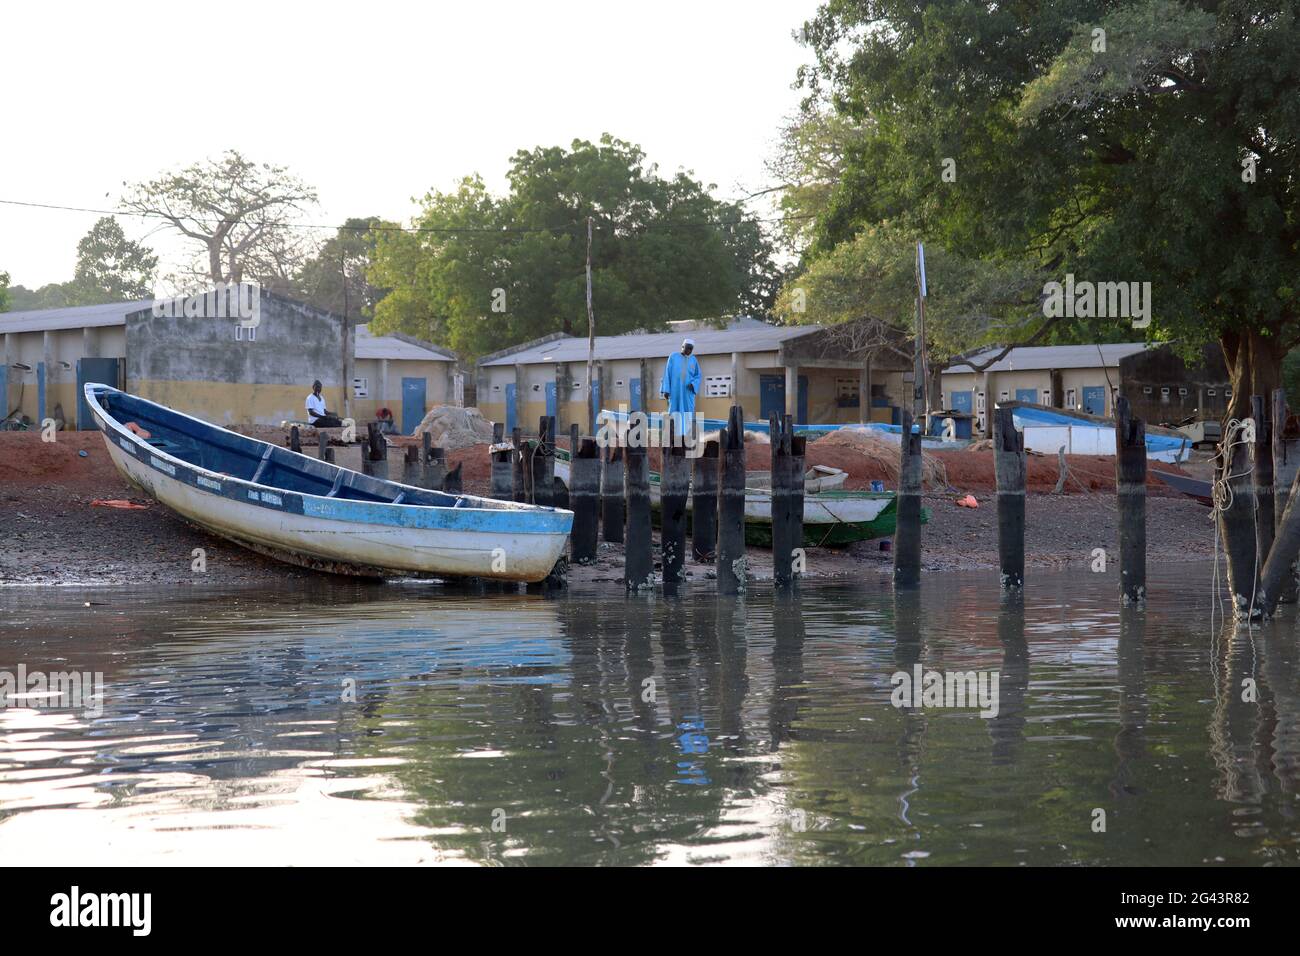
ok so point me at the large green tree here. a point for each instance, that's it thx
(480, 272)
(1137, 141)
(111, 267)
(336, 277)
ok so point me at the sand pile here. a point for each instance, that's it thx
(452, 427)
(851, 449)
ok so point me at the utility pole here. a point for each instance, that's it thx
(591, 342)
(347, 364)
(920, 371)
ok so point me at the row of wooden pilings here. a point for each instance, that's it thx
(422, 467)
(701, 496)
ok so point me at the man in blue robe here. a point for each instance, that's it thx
(680, 386)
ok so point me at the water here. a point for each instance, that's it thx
(346, 723)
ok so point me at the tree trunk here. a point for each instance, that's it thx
(1254, 362)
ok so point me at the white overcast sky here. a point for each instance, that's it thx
(373, 102)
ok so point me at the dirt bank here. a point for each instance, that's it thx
(51, 533)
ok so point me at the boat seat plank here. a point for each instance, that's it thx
(338, 484)
(263, 465)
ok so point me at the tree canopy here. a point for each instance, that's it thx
(481, 272)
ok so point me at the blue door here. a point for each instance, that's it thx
(512, 410)
(412, 404)
(801, 416)
(634, 390)
(1094, 399)
(550, 400)
(963, 402)
(595, 401)
(101, 370)
(1027, 395)
(771, 396)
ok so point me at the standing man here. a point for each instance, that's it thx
(317, 413)
(680, 386)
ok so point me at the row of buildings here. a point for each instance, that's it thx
(227, 373)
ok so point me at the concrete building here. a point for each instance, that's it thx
(805, 370)
(1161, 387)
(213, 368)
(1084, 378)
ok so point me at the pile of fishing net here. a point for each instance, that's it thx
(453, 427)
(881, 452)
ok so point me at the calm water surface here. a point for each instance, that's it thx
(341, 723)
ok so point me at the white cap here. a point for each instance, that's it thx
(686, 342)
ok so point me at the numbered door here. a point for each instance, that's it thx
(1094, 399)
(512, 408)
(103, 371)
(634, 393)
(1029, 395)
(413, 398)
(963, 402)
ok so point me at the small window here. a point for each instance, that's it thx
(717, 386)
(1003, 395)
(496, 388)
(361, 388)
(240, 329)
(1070, 398)
(1164, 394)
(1047, 396)
(1146, 389)
(618, 383)
(1182, 391)
(1210, 393)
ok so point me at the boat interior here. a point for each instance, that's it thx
(238, 456)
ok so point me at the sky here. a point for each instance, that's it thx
(373, 103)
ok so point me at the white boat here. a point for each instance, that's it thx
(305, 511)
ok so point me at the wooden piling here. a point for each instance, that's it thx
(1131, 496)
(544, 463)
(584, 498)
(780, 431)
(1236, 520)
(674, 492)
(374, 458)
(434, 460)
(611, 494)
(518, 466)
(501, 469)
(323, 442)
(798, 450)
(412, 468)
(295, 439)
(451, 482)
(704, 505)
(1009, 471)
(638, 561)
(329, 454)
(907, 531)
(1286, 465)
(1261, 410)
(731, 562)
(1279, 570)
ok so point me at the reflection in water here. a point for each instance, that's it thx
(416, 724)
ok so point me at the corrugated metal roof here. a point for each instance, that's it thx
(1055, 356)
(746, 338)
(370, 346)
(72, 317)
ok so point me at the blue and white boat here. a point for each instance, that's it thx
(309, 512)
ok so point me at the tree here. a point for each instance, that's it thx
(239, 212)
(480, 272)
(1153, 141)
(336, 278)
(110, 267)
(4, 291)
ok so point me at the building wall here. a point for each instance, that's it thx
(1040, 380)
(65, 345)
(197, 365)
(384, 385)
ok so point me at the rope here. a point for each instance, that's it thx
(1223, 497)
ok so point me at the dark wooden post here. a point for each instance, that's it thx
(518, 464)
(501, 471)
(451, 482)
(779, 431)
(374, 459)
(798, 450)
(1237, 521)
(435, 466)
(412, 469)
(674, 492)
(295, 439)
(611, 494)
(1286, 465)
(1261, 411)
(638, 563)
(704, 504)
(1009, 471)
(323, 442)
(731, 564)
(584, 498)
(544, 463)
(1131, 492)
(907, 532)
(1279, 569)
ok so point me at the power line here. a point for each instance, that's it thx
(504, 230)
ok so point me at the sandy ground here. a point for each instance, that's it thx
(51, 533)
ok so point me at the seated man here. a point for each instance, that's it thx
(317, 413)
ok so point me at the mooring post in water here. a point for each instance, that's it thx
(731, 562)
(1131, 494)
(704, 504)
(374, 460)
(638, 559)
(611, 494)
(295, 439)
(1235, 510)
(674, 492)
(518, 464)
(1009, 472)
(779, 432)
(502, 477)
(1261, 410)
(798, 450)
(544, 463)
(1279, 570)
(584, 498)
(907, 531)
(1286, 465)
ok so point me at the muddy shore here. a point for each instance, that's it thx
(51, 533)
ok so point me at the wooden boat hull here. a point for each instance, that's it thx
(1195, 488)
(447, 536)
